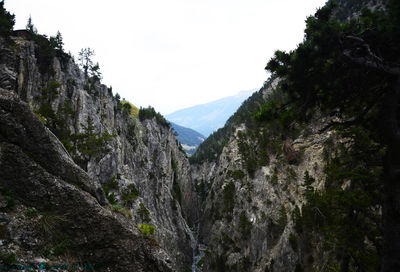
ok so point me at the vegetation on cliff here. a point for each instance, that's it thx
(347, 72)
(350, 70)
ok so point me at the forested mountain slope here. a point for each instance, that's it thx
(305, 179)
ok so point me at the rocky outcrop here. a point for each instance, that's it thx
(143, 170)
(95, 234)
(248, 219)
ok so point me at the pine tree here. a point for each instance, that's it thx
(7, 21)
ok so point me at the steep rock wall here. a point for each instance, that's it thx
(138, 162)
(248, 219)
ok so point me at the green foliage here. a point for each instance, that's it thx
(343, 214)
(345, 69)
(219, 264)
(46, 50)
(56, 122)
(112, 184)
(8, 258)
(131, 135)
(119, 209)
(7, 21)
(111, 198)
(202, 190)
(308, 180)
(130, 195)
(49, 222)
(282, 220)
(211, 148)
(274, 179)
(293, 241)
(147, 229)
(174, 165)
(176, 191)
(126, 107)
(267, 112)
(200, 262)
(245, 226)
(62, 247)
(85, 60)
(150, 113)
(9, 198)
(144, 213)
(30, 27)
(47, 112)
(329, 80)
(248, 154)
(298, 226)
(228, 198)
(57, 42)
(31, 212)
(50, 91)
(129, 108)
(82, 146)
(89, 144)
(237, 174)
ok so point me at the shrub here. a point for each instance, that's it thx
(200, 262)
(119, 209)
(130, 194)
(245, 226)
(147, 229)
(111, 198)
(282, 220)
(144, 213)
(50, 91)
(293, 241)
(8, 196)
(112, 183)
(49, 221)
(150, 113)
(62, 247)
(176, 191)
(7, 22)
(228, 197)
(8, 258)
(129, 108)
(237, 174)
(31, 212)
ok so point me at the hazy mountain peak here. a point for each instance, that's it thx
(208, 117)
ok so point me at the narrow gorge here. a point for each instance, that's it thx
(298, 179)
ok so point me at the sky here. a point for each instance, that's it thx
(173, 54)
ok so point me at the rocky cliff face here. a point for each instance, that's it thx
(51, 209)
(248, 219)
(139, 164)
(260, 190)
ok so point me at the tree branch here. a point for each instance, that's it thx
(356, 120)
(370, 60)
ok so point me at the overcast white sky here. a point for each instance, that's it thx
(173, 54)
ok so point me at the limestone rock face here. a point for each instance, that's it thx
(247, 220)
(102, 237)
(71, 131)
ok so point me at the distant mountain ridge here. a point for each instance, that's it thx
(207, 118)
(188, 138)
